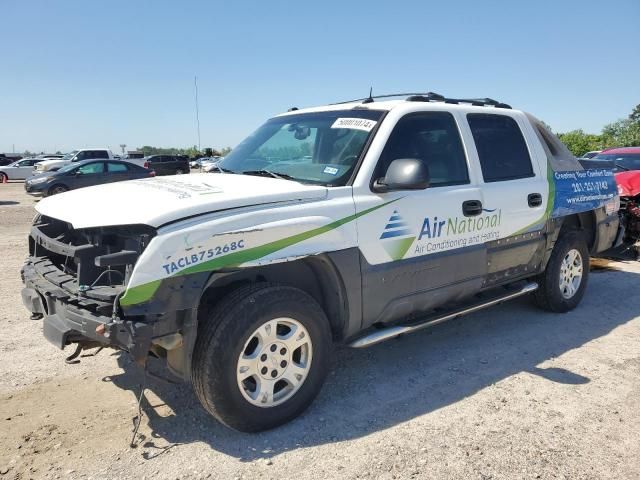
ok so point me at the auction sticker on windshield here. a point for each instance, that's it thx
(354, 124)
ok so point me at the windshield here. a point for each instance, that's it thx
(69, 167)
(319, 148)
(68, 156)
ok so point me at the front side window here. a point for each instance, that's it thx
(91, 168)
(501, 147)
(318, 148)
(433, 138)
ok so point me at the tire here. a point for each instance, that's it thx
(228, 341)
(3, 177)
(56, 189)
(179, 171)
(558, 290)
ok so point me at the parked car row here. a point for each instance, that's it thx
(49, 175)
(85, 173)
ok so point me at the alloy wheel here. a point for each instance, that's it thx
(274, 362)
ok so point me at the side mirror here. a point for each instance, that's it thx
(403, 174)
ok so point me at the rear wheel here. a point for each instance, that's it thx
(3, 177)
(179, 171)
(56, 189)
(563, 283)
(261, 356)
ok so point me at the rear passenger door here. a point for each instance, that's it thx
(514, 187)
(116, 172)
(418, 249)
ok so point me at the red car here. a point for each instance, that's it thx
(620, 159)
(629, 190)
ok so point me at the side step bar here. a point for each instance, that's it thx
(385, 333)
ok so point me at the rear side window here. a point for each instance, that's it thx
(100, 154)
(433, 138)
(116, 167)
(501, 147)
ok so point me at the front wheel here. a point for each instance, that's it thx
(563, 283)
(261, 356)
(56, 189)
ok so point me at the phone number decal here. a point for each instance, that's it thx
(202, 256)
(590, 186)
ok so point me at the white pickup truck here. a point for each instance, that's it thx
(79, 155)
(350, 223)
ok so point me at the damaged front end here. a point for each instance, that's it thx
(74, 279)
(629, 190)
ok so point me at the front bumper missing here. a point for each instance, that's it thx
(70, 318)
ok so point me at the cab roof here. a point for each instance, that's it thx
(384, 102)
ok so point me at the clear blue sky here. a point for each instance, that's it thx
(93, 73)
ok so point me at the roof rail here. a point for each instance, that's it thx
(432, 97)
(479, 102)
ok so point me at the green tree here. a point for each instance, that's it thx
(623, 133)
(635, 114)
(579, 142)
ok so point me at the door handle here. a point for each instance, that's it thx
(534, 200)
(471, 208)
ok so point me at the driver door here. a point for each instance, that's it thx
(418, 251)
(89, 174)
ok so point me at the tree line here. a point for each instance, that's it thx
(192, 152)
(622, 133)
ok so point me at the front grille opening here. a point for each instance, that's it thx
(73, 252)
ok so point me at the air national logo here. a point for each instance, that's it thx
(396, 236)
(437, 234)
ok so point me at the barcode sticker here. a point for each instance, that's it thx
(354, 124)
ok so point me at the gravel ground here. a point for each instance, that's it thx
(511, 392)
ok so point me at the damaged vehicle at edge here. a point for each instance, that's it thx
(629, 191)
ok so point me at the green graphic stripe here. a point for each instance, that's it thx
(144, 292)
(547, 211)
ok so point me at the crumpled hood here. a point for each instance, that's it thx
(160, 200)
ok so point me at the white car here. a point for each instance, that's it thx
(18, 170)
(210, 165)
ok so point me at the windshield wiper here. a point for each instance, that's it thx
(269, 173)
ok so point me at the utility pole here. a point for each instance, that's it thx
(195, 84)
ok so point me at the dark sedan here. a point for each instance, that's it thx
(168, 164)
(84, 174)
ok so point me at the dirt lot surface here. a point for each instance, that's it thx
(511, 392)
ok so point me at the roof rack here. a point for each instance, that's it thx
(432, 97)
